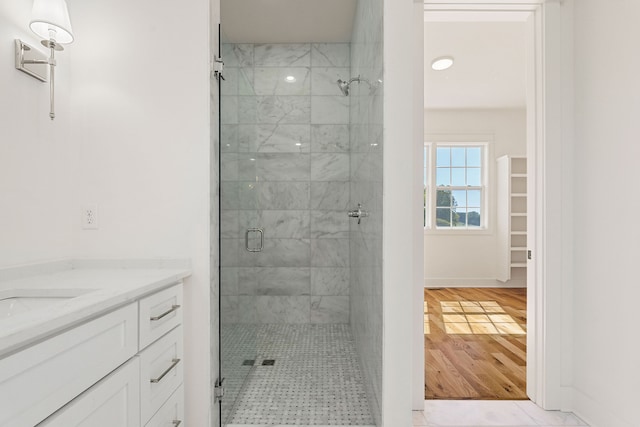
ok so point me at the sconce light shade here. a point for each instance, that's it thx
(51, 15)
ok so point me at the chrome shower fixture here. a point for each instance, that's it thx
(345, 85)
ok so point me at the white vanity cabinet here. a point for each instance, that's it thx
(111, 402)
(38, 380)
(121, 369)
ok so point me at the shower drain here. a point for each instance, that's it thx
(268, 362)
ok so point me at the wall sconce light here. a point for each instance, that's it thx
(50, 21)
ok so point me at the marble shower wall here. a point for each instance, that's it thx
(366, 142)
(285, 169)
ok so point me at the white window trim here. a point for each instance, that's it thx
(485, 140)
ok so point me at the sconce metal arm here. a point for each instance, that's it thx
(51, 62)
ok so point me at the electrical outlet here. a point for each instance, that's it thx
(90, 216)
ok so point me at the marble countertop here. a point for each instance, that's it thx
(101, 289)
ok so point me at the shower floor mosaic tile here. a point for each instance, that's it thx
(238, 345)
(315, 380)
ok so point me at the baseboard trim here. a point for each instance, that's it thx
(593, 412)
(473, 283)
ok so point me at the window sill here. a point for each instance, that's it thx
(457, 232)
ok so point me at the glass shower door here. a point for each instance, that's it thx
(241, 237)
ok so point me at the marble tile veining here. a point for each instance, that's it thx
(237, 55)
(283, 195)
(329, 281)
(270, 138)
(330, 252)
(284, 281)
(277, 253)
(330, 109)
(282, 81)
(329, 138)
(285, 223)
(282, 167)
(330, 167)
(330, 309)
(330, 195)
(282, 55)
(330, 54)
(282, 109)
(329, 224)
(282, 309)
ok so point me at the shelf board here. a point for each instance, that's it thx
(518, 264)
(518, 175)
(518, 248)
(518, 194)
(518, 233)
(518, 214)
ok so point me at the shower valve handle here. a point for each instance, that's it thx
(358, 213)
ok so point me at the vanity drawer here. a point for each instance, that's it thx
(161, 372)
(38, 380)
(160, 313)
(171, 414)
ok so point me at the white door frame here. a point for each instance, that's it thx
(544, 153)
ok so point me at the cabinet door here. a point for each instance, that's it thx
(114, 401)
(37, 381)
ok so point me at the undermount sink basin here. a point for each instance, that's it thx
(17, 301)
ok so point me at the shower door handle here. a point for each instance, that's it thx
(246, 239)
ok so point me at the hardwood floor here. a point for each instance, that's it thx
(475, 343)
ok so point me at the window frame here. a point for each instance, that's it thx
(431, 144)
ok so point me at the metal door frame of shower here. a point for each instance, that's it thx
(548, 275)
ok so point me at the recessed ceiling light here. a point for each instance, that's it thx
(290, 79)
(299, 144)
(442, 63)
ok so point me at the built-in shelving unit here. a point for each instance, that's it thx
(512, 217)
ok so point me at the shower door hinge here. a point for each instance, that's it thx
(217, 67)
(218, 390)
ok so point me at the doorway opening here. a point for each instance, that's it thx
(479, 116)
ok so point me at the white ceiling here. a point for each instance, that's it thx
(489, 68)
(287, 21)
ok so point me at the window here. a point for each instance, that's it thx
(454, 186)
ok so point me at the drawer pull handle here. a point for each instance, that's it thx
(166, 313)
(177, 422)
(173, 365)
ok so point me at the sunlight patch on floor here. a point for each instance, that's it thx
(478, 318)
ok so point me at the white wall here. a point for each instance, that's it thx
(140, 131)
(36, 153)
(607, 105)
(444, 251)
(398, 217)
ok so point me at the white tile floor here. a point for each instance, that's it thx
(490, 413)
